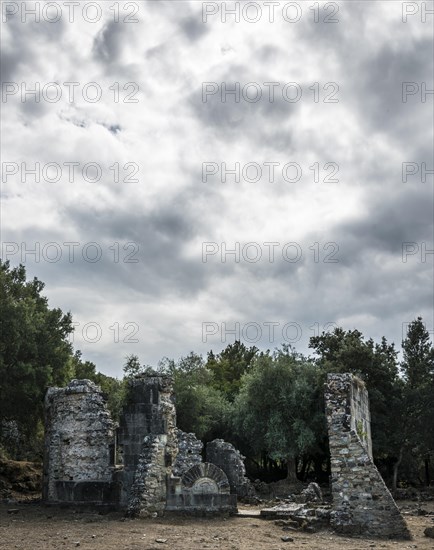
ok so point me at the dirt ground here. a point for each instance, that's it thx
(33, 526)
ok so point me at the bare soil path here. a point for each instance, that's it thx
(32, 526)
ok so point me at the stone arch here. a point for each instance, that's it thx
(205, 478)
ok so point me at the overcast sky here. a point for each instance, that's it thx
(329, 126)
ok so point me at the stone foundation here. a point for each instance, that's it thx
(362, 504)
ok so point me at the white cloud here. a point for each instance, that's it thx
(171, 132)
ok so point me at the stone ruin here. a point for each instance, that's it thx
(362, 504)
(79, 448)
(189, 452)
(231, 461)
(145, 467)
(147, 440)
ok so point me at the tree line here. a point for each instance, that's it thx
(269, 404)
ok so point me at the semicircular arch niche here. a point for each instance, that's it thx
(206, 478)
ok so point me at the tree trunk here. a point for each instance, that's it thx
(318, 469)
(395, 470)
(305, 468)
(427, 476)
(264, 461)
(292, 474)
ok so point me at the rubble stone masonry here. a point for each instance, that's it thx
(79, 445)
(362, 504)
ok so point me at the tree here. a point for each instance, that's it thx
(83, 369)
(132, 366)
(417, 369)
(376, 364)
(114, 390)
(417, 366)
(229, 366)
(200, 407)
(279, 409)
(34, 350)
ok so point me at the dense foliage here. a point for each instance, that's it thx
(35, 353)
(269, 404)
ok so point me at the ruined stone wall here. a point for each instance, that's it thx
(148, 491)
(362, 504)
(79, 445)
(360, 414)
(229, 459)
(161, 468)
(147, 440)
(189, 452)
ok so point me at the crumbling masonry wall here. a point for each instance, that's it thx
(362, 504)
(230, 460)
(161, 470)
(189, 453)
(79, 445)
(147, 439)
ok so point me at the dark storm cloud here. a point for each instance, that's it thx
(226, 112)
(170, 289)
(18, 55)
(108, 43)
(151, 266)
(20, 52)
(160, 236)
(328, 26)
(403, 216)
(9, 64)
(193, 27)
(375, 87)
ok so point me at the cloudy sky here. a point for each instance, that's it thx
(201, 176)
